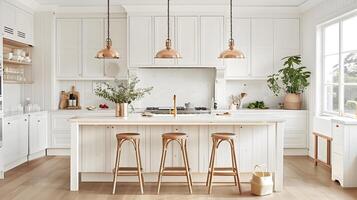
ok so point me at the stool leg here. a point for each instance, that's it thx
(117, 160)
(141, 166)
(316, 149)
(188, 164)
(212, 166)
(184, 157)
(209, 165)
(162, 164)
(138, 164)
(235, 165)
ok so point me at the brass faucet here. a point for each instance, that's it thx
(353, 102)
(174, 110)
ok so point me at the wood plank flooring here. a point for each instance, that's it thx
(48, 179)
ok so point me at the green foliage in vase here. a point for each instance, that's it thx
(122, 91)
(293, 78)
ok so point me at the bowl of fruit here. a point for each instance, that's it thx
(103, 106)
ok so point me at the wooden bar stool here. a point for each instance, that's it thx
(181, 138)
(217, 138)
(328, 141)
(134, 138)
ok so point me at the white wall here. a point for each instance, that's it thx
(322, 12)
(190, 85)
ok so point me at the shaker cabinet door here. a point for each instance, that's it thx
(140, 40)
(69, 54)
(187, 40)
(212, 37)
(262, 47)
(92, 41)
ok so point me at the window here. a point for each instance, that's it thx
(339, 66)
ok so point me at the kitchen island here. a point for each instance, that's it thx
(93, 143)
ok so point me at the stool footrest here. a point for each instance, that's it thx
(224, 171)
(174, 171)
(127, 171)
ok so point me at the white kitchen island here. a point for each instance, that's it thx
(93, 143)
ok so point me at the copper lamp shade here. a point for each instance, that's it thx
(168, 52)
(108, 52)
(231, 52)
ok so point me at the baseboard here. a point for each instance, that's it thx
(15, 163)
(58, 152)
(296, 152)
(37, 155)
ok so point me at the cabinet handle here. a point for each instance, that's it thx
(337, 125)
(9, 123)
(25, 120)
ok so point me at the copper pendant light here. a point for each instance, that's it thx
(231, 52)
(168, 51)
(108, 52)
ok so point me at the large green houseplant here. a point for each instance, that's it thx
(293, 79)
(122, 93)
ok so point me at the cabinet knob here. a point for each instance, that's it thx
(25, 120)
(8, 123)
(38, 120)
(337, 125)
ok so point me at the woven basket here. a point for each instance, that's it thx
(262, 182)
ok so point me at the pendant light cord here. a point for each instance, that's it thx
(231, 16)
(168, 19)
(108, 22)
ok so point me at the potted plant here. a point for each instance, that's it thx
(122, 94)
(292, 79)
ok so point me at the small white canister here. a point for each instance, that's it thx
(262, 181)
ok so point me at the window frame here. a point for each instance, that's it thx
(341, 81)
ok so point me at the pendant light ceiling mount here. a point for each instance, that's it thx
(168, 51)
(108, 52)
(231, 52)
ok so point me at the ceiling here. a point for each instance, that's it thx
(289, 3)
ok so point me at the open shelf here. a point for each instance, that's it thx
(16, 62)
(17, 82)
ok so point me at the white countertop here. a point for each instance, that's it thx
(184, 119)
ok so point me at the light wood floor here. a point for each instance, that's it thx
(48, 179)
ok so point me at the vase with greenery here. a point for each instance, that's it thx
(122, 93)
(293, 79)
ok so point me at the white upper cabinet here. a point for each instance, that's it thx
(262, 47)
(242, 36)
(211, 40)
(287, 40)
(160, 36)
(79, 40)
(92, 41)
(187, 40)
(9, 13)
(69, 49)
(118, 34)
(141, 41)
(17, 23)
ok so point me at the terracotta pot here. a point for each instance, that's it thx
(292, 101)
(121, 110)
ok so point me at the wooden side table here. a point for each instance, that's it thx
(328, 139)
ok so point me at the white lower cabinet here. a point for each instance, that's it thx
(23, 137)
(38, 133)
(344, 153)
(15, 141)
